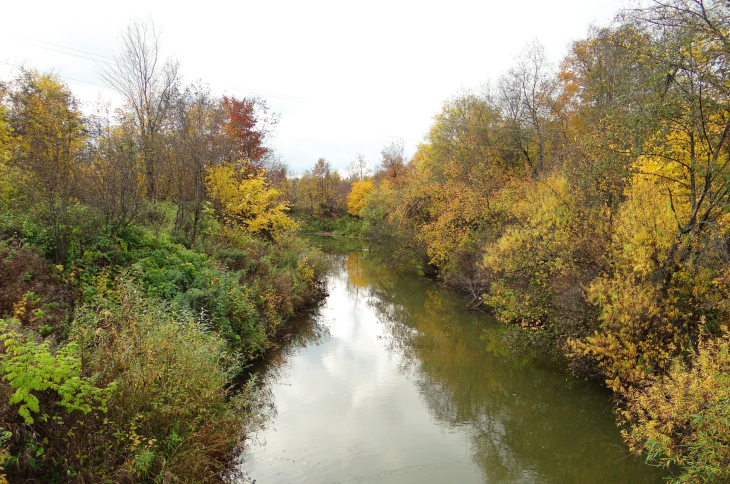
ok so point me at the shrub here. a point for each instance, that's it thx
(171, 417)
(683, 418)
(31, 368)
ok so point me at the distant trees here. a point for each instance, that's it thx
(321, 192)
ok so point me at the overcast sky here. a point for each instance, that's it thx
(345, 77)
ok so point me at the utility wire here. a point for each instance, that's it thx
(285, 97)
(62, 46)
(65, 77)
(62, 52)
(401, 137)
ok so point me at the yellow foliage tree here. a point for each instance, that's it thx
(247, 201)
(356, 197)
(51, 137)
(636, 334)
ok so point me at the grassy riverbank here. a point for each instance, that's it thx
(117, 362)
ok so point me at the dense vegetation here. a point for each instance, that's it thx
(146, 255)
(145, 258)
(589, 206)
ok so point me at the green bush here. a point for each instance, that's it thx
(345, 225)
(31, 368)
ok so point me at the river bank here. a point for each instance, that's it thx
(125, 355)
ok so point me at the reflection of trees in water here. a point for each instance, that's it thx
(305, 330)
(526, 424)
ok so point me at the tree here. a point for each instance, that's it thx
(326, 185)
(526, 95)
(246, 125)
(114, 174)
(246, 201)
(464, 140)
(196, 120)
(690, 150)
(46, 117)
(359, 169)
(393, 164)
(147, 85)
(608, 98)
(669, 247)
(356, 198)
(320, 192)
(5, 137)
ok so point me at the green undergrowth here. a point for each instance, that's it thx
(117, 364)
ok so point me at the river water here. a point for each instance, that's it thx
(391, 380)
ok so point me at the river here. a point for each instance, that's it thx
(392, 380)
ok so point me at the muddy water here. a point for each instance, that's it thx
(393, 381)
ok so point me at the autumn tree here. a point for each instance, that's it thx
(526, 95)
(356, 197)
(114, 173)
(196, 119)
(246, 201)
(246, 125)
(393, 165)
(147, 84)
(464, 140)
(5, 137)
(320, 191)
(46, 117)
(609, 95)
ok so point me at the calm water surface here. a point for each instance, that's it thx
(393, 381)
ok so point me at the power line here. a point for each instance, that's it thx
(401, 137)
(62, 46)
(61, 52)
(65, 77)
(285, 97)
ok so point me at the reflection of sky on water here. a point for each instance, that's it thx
(402, 391)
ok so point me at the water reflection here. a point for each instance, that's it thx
(400, 388)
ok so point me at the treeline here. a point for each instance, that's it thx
(323, 200)
(146, 256)
(588, 204)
